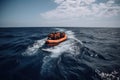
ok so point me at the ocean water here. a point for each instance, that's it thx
(87, 54)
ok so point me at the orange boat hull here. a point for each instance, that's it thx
(56, 42)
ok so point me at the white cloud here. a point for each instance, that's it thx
(58, 1)
(76, 11)
(79, 8)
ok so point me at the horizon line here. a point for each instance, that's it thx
(56, 26)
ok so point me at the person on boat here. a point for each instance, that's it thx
(51, 36)
(56, 35)
(62, 34)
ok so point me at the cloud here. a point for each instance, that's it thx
(84, 13)
(68, 9)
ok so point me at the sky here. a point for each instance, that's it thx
(59, 13)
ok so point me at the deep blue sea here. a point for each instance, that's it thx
(87, 54)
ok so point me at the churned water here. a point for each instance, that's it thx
(87, 54)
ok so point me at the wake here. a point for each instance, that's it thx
(72, 48)
(72, 45)
(32, 50)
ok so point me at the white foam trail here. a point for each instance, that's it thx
(72, 45)
(108, 76)
(69, 46)
(72, 35)
(31, 50)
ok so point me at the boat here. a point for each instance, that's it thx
(55, 38)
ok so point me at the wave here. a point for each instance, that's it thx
(72, 51)
(71, 45)
(113, 75)
(32, 50)
(95, 58)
